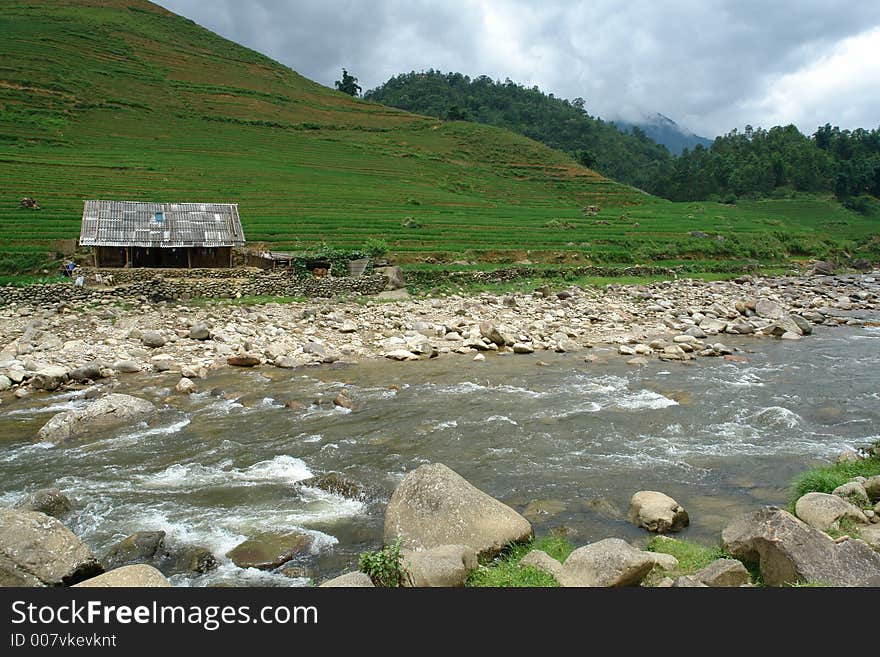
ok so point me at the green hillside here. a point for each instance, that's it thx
(121, 99)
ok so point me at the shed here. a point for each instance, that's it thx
(141, 234)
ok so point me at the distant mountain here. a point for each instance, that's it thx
(667, 132)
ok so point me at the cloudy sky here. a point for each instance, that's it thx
(711, 65)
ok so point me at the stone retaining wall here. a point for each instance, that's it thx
(163, 289)
(143, 274)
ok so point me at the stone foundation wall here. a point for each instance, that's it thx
(158, 288)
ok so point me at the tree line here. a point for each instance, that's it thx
(752, 163)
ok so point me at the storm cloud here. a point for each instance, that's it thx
(712, 65)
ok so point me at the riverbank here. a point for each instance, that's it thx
(46, 347)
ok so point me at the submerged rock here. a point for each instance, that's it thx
(269, 549)
(140, 547)
(334, 482)
(50, 501)
(435, 506)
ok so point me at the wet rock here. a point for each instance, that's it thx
(401, 354)
(140, 547)
(185, 386)
(349, 580)
(442, 566)
(724, 572)
(162, 362)
(336, 483)
(523, 348)
(49, 378)
(657, 512)
(538, 509)
(106, 413)
(609, 562)
(269, 549)
(294, 405)
(138, 576)
(435, 506)
(189, 559)
(50, 501)
(243, 360)
(603, 507)
(825, 512)
(638, 360)
(788, 550)
(542, 561)
(285, 362)
(152, 339)
(343, 400)
(37, 550)
(199, 331)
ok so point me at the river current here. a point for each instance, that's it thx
(563, 441)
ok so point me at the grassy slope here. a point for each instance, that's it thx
(122, 99)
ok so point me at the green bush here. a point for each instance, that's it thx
(385, 566)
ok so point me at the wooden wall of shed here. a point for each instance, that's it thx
(210, 257)
(110, 256)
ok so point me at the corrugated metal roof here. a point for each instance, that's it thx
(160, 225)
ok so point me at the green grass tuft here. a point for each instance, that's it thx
(504, 571)
(825, 479)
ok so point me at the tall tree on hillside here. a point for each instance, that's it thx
(348, 84)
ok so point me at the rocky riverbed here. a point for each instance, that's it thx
(46, 347)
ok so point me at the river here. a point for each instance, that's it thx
(564, 441)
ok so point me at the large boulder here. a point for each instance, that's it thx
(37, 550)
(349, 580)
(435, 506)
(50, 501)
(788, 550)
(442, 566)
(853, 492)
(768, 309)
(269, 549)
(104, 414)
(137, 576)
(152, 339)
(609, 562)
(824, 511)
(657, 512)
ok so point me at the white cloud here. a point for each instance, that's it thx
(711, 65)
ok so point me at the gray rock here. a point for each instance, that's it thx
(688, 582)
(824, 512)
(724, 572)
(50, 501)
(872, 488)
(442, 566)
(49, 378)
(435, 506)
(199, 331)
(138, 576)
(152, 339)
(609, 562)
(491, 333)
(853, 492)
(5, 382)
(523, 348)
(285, 362)
(871, 535)
(542, 561)
(805, 326)
(823, 268)
(126, 366)
(349, 580)
(788, 550)
(657, 512)
(269, 549)
(334, 482)
(665, 561)
(768, 309)
(186, 560)
(37, 550)
(91, 371)
(185, 386)
(103, 414)
(140, 547)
